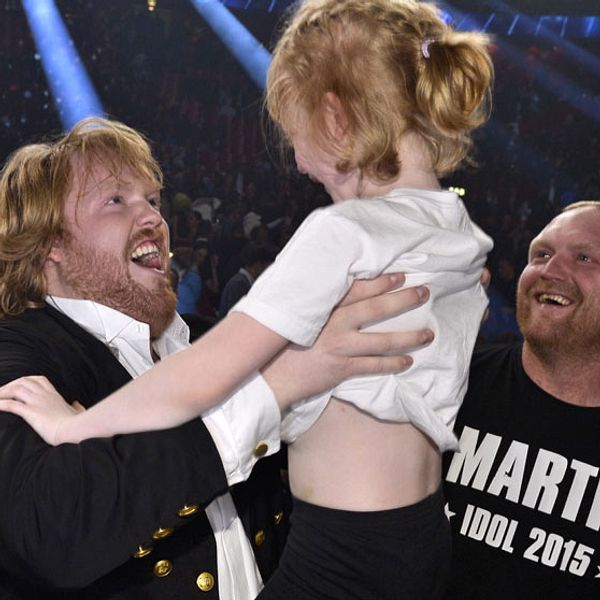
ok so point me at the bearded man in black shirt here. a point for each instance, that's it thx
(523, 491)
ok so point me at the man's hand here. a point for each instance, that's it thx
(342, 350)
(36, 400)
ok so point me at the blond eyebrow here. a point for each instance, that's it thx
(536, 243)
(587, 246)
(110, 181)
(578, 246)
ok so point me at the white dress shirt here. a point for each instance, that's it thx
(250, 415)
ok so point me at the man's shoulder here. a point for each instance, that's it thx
(44, 323)
(495, 374)
(44, 341)
(488, 356)
(33, 322)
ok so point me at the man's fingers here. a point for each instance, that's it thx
(378, 365)
(385, 306)
(367, 288)
(389, 343)
(486, 277)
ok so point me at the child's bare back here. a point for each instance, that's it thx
(353, 461)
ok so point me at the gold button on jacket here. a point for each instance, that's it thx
(188, 510)
(162, 532)
(162, 568)
(260, 449)
(142, 551)
(259, 537)
(205, 581)
(278, 517)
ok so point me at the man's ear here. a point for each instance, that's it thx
(56, 254)
(335, 116)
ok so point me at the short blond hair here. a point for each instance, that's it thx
(371, 55)
(34, 184)
(581, 204)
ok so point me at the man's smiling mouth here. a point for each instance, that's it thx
(553, 299)
(148, 255)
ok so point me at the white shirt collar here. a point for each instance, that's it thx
(128, 339)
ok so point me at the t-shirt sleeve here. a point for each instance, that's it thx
(312, 273)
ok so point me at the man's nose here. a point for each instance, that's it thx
(148, 215)
(556, 268)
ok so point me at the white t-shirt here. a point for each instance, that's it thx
(427, 235)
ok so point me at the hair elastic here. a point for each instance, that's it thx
(425, 46)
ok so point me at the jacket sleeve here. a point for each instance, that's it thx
(73, 513)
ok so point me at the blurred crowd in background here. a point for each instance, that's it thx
(232, 201)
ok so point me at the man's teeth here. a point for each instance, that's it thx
(554, 299)
(145, 251)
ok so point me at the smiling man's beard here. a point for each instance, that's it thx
(101, 277)
(576, 336)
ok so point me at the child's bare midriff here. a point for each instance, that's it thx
(350, 460)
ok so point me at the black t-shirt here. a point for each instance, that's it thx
(523, 493)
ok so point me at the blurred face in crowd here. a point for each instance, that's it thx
(558, 298)
(116, 248)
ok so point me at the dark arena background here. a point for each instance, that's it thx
(190, 76)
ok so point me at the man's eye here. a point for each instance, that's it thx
(155, 202)
(115, 200)
(540, 254)
(584, 258)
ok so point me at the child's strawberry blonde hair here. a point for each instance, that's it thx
(395, 66)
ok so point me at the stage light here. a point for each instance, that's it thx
(573, 52)
(248, 51)
(151, 5)
(72, 90)
(459, 191)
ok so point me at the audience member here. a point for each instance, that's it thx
(255, 259)
(522, 490)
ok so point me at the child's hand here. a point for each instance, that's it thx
(34, 399)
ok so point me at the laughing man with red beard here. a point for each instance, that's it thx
(85, 301)
(523, 491)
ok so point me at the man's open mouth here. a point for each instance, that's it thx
(553, 299)
(148, 255)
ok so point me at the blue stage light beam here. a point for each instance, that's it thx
(538, 166)
(516, 151)
(580, 98)
(572, 51)
(248, 51)
(585, 101)
(73, 92)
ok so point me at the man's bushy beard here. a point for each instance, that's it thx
(101, 277)
(577, 336)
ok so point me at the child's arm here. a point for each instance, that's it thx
(174, 391)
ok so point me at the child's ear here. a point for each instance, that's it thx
(335, 116)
